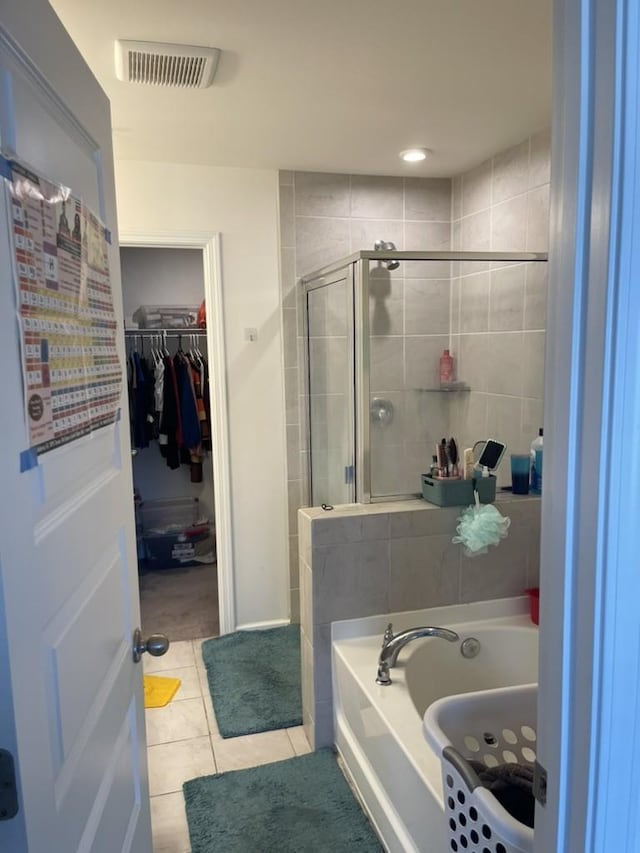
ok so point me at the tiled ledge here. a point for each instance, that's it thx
(359, 560)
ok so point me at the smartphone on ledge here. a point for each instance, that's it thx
(491, 454)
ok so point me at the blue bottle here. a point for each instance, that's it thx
(535, 482)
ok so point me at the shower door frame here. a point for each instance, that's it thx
(358, 263)
(327, 277)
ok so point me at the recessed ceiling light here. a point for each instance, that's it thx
(414, 155)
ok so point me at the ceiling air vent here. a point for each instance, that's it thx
(158, 64)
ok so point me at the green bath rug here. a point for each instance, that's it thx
(301, 805)
(254, 680)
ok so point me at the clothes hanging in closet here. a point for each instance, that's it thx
(170, 437)
(169, 401)
(141, 385)
(201, 388)
(191, 435)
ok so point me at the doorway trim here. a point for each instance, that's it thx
(210, 245)
(589, 699)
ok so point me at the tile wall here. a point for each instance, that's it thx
(493, 318)
(386, 558)
(498, 312)
(410, 318)
(324, 217)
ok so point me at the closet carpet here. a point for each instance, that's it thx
(181, 603)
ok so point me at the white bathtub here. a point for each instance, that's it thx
(378, 729)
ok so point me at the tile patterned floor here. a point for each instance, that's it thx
(184, 742)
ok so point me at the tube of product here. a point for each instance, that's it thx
(468, 463)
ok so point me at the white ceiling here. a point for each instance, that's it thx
(328, 85)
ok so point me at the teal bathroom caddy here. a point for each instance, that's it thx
(450, 492)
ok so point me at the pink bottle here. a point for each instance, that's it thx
(446, 367)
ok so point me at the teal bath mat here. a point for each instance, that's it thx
(301, 805)
(254, 680)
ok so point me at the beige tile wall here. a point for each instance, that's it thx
(385, 558)
(498, 312)
(410, 323)
(496, 316)
(323, 218)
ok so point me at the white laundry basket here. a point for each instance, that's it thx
(492, 727)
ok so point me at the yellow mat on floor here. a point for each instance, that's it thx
(159, 691)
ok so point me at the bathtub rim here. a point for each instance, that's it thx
(364, 626)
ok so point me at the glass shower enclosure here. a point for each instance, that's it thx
(375, 326)
(330, 387)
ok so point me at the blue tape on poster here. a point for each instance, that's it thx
(6, 168)
(107, 235)
(118, 415)
(28, 459)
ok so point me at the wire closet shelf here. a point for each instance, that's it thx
(170, 333)
(159, 337)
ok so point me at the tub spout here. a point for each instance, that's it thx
(393, 644)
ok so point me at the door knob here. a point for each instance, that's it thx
(156, 645)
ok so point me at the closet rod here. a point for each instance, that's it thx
(169, 333)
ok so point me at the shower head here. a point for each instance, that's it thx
(387, 246)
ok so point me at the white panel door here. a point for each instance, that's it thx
(72, 704)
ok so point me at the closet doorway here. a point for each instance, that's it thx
(177, 431)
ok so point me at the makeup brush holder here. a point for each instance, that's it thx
(450, 492)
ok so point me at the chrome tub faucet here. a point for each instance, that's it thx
(393, 644)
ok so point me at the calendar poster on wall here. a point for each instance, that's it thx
(71, 372)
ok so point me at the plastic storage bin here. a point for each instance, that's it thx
(176, 533)
(493, 727)
(450, 492)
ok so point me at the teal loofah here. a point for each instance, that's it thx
(480, 526)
